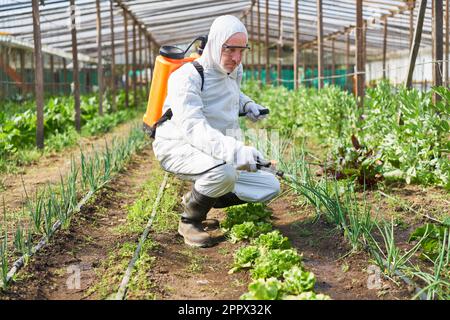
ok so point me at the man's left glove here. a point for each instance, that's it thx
(252, 111)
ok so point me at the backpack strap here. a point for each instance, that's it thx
(168, 114)
(200, 69)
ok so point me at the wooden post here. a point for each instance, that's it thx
(2, 83)
(360, 75)
(259, 44)
(416, 43)
(113, 59)
(447, 32)
(252, 40)
(39, 76)
(333, 63)
(348, 79)
(140, 63)
(295, 57)
(76, 76)
(438, 37)
(319, 44)
(432, 47)
(127, 99)
(135, 101)
(280, 35)
(150, 66)
(385, 46)
(364, 48)
(411, 23)
(245, 57)
(7, 63)
(267, 44)
(146, 58)
(99, 59)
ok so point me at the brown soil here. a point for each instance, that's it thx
(49, 169)
(182, 272)
(175, 277)
(86, 243)
(179, 272)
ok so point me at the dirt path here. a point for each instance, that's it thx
(48, 169)
(185, 273)
(177, 272)
(82, 248)
(175, 277)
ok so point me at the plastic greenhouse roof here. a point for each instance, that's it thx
(180, 21)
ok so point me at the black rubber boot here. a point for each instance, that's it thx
(228, 200)
(196, 206)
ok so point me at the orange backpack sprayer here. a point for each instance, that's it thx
(170, 58)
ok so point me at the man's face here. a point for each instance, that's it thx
(230, 58)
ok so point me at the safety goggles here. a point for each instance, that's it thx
(228, 50)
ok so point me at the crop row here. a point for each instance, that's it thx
(338, 203)
(276, 268)
(18, 121)
(53, 207)
(398, 133)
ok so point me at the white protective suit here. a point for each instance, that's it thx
(200, 142)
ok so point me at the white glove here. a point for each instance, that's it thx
(247, 157)
(252, 110)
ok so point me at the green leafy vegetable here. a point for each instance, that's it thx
(248, 230)
(245, 257)
(255, 212)
(274, 262)
(272, 240)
